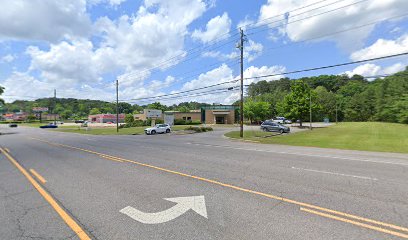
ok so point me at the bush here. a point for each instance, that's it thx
(179, 122)
(7, 122)
(148, 122)
(186, 122)
(199, 129)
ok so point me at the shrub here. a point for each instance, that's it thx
(179, 122)
(199, 129)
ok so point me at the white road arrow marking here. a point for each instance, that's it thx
(195, 203)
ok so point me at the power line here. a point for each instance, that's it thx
(268, 23)
(330, 66)
(312, 16)
(337, 32)
(199, 94)
(204, 47)
(273, 75)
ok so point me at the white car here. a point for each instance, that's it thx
(282, 120)
(159, 128)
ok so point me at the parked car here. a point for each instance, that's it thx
(159, 128)
(49, 126)
(270, 126)
(79, 121)
(13, 125)
(282, 120)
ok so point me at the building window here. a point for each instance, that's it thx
(189, 118)
(184, 118)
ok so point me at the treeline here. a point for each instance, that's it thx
(348, 98)
(70, 108)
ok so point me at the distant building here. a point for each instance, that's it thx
(49, 116)
(105, 118)
(218, 114)
(212, 114)
(18, 116)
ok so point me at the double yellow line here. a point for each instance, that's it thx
(63, 214)
(324, 212)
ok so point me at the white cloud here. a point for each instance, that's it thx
(370, 69)
(382, 47)
(338, 20)
(217, 27)
(130, 46)
(262, 71)
(251, 52)
(225, 74)
(110, 2)
(66, 64)
(244, 24)
(44, 20)
(7, 59)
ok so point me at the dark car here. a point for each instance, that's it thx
(269, 126)
(49, 126)
(13, 125)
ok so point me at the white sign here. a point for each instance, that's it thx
(153, 113)
(195, 203)
(40, 109)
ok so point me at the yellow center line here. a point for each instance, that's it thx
(111, 159)
(38, 176)
(355, 223)
(67, 219)
(302, 204)
(7, 150)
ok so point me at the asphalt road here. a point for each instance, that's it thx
(57, 185)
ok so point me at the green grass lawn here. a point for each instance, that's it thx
(368, 136)
(111, 130)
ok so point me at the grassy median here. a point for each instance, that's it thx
(111, 130)
(368, 136)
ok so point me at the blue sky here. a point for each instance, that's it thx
(80, 47)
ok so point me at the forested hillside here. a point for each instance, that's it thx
(354, 98)
(81, 108)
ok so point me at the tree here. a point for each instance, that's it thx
(1, 92)
(129, 119)
(183, 109)
(327, 101)
(95, 111)
(296, 104)
(256, 111)
(157, 105)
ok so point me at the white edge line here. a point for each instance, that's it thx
(338, 174)
(302, 154)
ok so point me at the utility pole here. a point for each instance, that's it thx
(55, 105)
(117, 105)
(336, 111)
(310, 107)
(241, 105)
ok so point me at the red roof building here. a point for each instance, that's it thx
(105, 118)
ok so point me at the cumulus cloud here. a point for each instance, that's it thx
(43, 20)
(130, 46)
(110, 2)
(7, 59)
(225, 74)
(66, 63)
(217, 27)
(370, 69)
(345, 18)
(252, 51)
(382, 47)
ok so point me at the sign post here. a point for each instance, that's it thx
(39, 111)
(153, 114)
